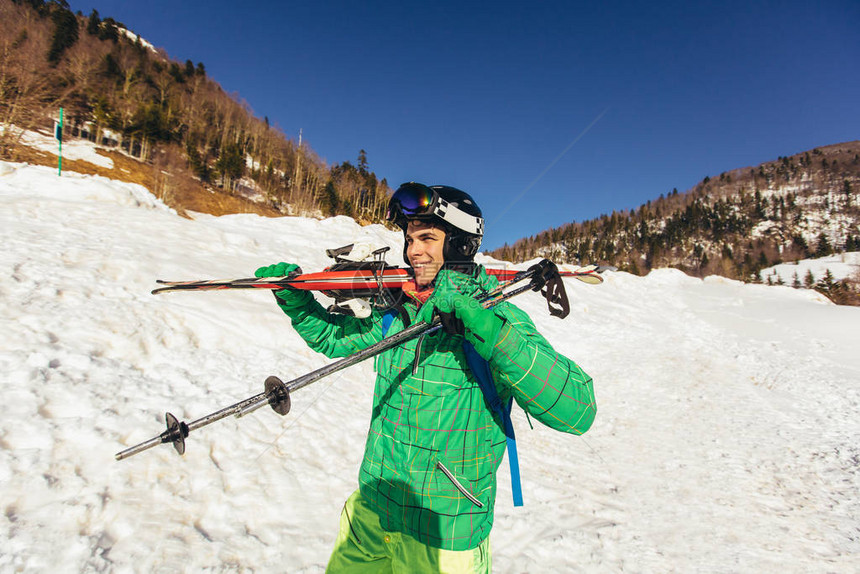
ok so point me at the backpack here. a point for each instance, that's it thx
(481, 371)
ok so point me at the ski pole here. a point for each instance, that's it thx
(277, 393)
(411, 332)
(177, 431)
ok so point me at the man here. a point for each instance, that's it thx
(427, 484)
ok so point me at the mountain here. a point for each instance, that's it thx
(734, 225)
(165, 124)
(170, 127)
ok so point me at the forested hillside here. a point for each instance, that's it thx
(735, 224)
(196, 146)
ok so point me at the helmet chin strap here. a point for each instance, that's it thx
(457, 261)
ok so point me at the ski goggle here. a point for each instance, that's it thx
(417, 201)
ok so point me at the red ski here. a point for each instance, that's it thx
(344, 280)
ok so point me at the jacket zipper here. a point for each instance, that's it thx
(459, 486)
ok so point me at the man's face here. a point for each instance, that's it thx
(424, 246)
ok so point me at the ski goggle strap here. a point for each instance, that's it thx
(417, 201)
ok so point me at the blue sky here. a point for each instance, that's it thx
(546, 112)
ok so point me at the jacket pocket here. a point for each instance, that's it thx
(458, 485)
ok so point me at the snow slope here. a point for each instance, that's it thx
(841, 266)
(726, 440)
(74, 149)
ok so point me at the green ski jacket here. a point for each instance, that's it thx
(434, 445)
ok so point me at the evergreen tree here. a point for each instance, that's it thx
(108, 30)
(197, 163)
(65, 33)
(94, 23)
(329, 200)
(748, 269)
(231, 163)
(109, 68)
(809, 280)
(827, 281)
(823, 248)
(833, 290)
(800, 244)
(762, 260)
(176, 72)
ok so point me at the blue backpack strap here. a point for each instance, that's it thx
(481, 370)
(387, 320)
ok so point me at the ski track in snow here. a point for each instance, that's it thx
(726, 438)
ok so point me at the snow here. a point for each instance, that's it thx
(136, 38)
(841, 266)
(726, 438)
(73, 149)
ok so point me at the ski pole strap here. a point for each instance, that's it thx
(556, 297)
(481, 370)
(547, 279)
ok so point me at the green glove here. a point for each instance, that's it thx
(288, 298)
(463, 315)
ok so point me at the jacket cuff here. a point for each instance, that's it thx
(292, 301)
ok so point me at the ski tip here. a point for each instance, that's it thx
(589, 278)
(158, 290)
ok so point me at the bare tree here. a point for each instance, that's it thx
(24, 77)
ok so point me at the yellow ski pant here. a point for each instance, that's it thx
(362, 546)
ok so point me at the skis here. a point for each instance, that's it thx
(543, 276)
(350, 280)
